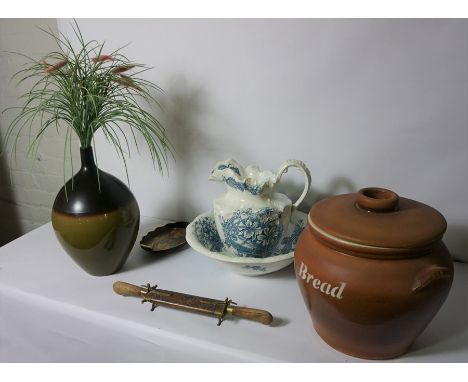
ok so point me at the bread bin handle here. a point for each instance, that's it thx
(429, 275)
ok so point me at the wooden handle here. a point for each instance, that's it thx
(251, 314)
(126, 289)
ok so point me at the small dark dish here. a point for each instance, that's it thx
(165, 238)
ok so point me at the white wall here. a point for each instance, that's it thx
(362, 102)
(28, 186)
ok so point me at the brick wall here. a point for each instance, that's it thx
(28, 185)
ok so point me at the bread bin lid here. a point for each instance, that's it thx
(376, 220)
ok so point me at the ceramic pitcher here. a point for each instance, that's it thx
(251, 217)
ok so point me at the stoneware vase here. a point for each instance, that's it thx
(251, 218)
(96, 219)
(373, 271)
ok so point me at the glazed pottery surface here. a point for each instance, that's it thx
(96, 220)
(373, 271)
(203, 236)
(251, 218)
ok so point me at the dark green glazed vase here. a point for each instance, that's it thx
(97, 221)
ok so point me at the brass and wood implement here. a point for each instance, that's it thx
(189, 303)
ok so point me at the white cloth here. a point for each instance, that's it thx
(52, 311)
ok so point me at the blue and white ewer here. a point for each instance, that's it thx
(250, 217)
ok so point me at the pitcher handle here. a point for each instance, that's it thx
(302, 167)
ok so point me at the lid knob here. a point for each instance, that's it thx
(377, 199)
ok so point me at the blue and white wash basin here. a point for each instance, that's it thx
(203, 237)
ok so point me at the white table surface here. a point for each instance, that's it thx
(52, 311)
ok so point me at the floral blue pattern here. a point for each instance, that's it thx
(289, 242)
(253, 234)
(207, 235)
(258, 268)
(230, 166)
(254, 190)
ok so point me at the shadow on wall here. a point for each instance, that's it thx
(189, 117)
(456, 237)
(338, 185)
(456, 240)
(10, 227)
(190, 122)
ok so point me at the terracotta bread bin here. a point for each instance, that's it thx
(373, 271)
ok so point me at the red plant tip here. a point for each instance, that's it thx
(122, 68)
(51, 68)
(102, 58)
(126, 81)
